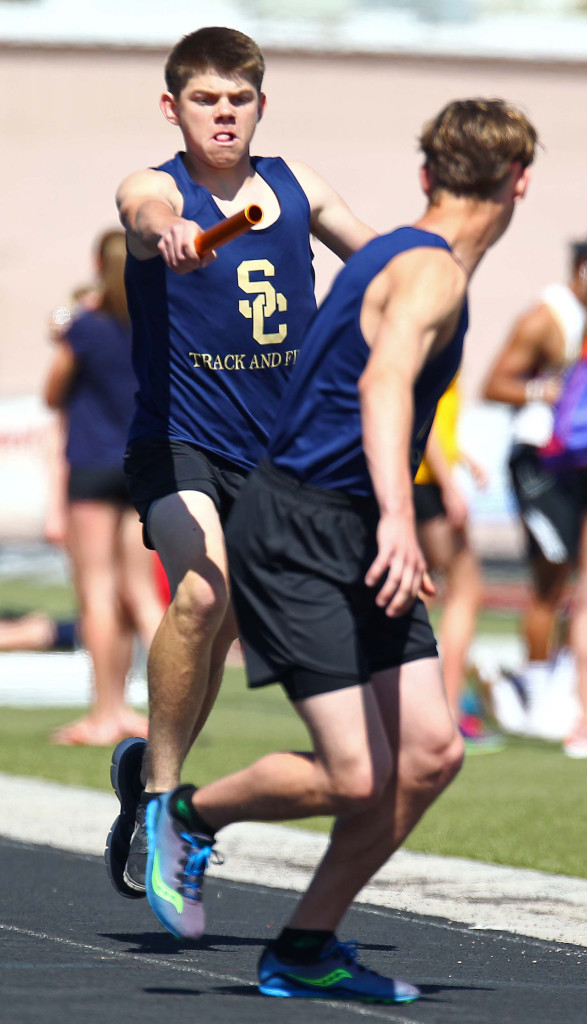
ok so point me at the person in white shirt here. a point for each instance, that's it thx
(527, 375)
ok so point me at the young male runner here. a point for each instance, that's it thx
(327, 571)
(214, 343)
(527, 375)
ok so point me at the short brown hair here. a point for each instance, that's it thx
(471, 145)
(221, 49)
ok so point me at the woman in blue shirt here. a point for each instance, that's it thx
(91, 379)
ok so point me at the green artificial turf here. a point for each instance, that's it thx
(524, 806)
(24, 595)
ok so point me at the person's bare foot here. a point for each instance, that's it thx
(134, 724)
(91, 732)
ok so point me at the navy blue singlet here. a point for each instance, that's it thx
(317, 434)
(213, 349)
(99, 408)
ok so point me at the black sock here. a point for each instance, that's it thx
(301, 945)
(146, 796)
(182, 808)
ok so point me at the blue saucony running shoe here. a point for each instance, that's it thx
(337, 974)
(176, 863)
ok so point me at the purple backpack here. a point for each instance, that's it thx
(567, 448)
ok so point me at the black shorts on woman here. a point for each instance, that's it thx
(298, 555)
(98, 483)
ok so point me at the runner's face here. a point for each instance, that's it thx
(218, 117)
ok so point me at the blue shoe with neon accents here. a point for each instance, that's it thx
(176, 863)
(336, 974)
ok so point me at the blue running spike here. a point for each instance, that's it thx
(337, 974)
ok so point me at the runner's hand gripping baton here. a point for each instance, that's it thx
(228, 229)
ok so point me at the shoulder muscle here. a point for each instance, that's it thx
(149, 184)
(411, 309)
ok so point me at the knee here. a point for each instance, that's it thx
(99, 602)
(360, 783)
(128, 596)
(453, 756)
(437, 761)
(199, 604)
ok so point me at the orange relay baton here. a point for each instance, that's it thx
(228, 229)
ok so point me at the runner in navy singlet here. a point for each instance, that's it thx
(214, 342)
(327, 571)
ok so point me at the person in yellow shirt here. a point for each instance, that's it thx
(442, 516)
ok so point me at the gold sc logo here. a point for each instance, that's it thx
(265, 304)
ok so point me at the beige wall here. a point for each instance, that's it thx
(73, 123)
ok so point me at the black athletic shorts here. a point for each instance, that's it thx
(298, 556)
(97, 484)
(428, 503)
(551, 506)
(157, 467)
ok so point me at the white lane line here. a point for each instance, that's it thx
(110, 954)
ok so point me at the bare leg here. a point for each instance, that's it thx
(333, 778)
(449, 551)
(578, 635)
(93, 535)
(139, 596)
(549, 581)
(188, 536)
(378, 776)
(428, 753)
(222, 643)
(137, 578)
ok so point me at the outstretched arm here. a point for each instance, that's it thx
(150, 207)
(332, 221)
